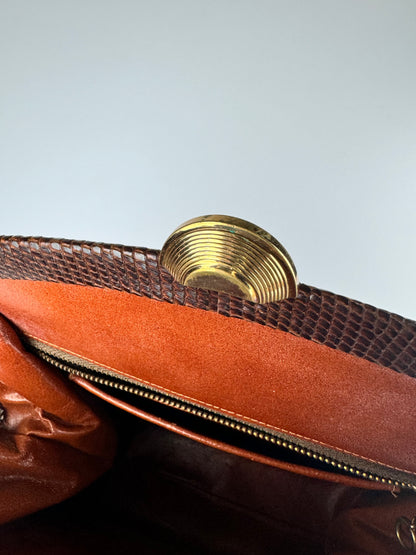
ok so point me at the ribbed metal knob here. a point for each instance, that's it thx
(230, 255)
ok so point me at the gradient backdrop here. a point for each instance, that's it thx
(121, 119)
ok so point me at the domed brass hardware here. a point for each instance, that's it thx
(230, 255)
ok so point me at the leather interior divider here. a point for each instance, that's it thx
(205, 440)
(257, 374)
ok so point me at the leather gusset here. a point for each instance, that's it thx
(52, 442)
(258, 374)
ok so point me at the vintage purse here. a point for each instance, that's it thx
(139, 414)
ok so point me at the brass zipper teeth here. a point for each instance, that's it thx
(224, 421)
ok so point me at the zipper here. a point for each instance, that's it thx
(328, 460)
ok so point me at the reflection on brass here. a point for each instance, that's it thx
(406, 533)
(230, 255)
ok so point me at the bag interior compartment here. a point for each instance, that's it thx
(167, 494)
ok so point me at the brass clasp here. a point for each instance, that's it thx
(230, 255)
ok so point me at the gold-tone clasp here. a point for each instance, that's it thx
(230, 255)
(406, 533)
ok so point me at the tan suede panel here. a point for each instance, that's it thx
(261, 375)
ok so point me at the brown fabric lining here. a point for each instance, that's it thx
(332, 320)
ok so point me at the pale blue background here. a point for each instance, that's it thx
(121, 119)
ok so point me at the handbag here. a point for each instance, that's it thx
(141, 414)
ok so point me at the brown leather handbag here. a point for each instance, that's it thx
(279, 427)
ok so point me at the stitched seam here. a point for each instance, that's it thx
(226, 411)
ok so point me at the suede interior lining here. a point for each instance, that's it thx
(261, 375)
